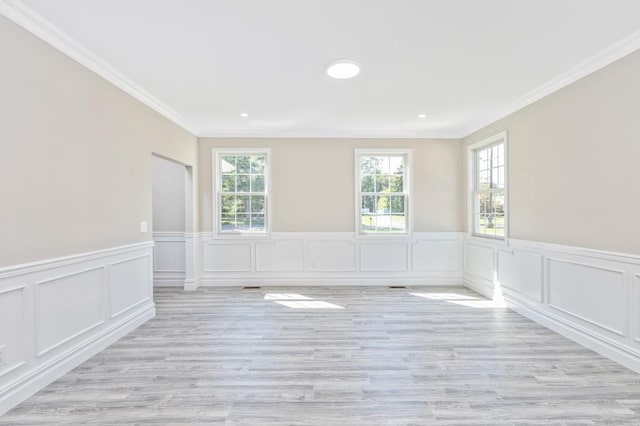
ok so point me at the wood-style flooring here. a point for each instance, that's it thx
(366, 356)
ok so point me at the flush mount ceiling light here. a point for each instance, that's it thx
(422, 116)
(343, 69)
(244, 115)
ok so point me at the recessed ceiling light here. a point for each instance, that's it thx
(244, 115)
(422, 116)
(343, 69)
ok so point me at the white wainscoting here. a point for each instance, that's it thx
(590, 296)
(56, 314)
(169, 259)
(334, 258)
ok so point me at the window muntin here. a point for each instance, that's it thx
(383, 194)
(242, 192)
(489, 214)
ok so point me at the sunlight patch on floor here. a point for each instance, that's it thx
(285, 296)
(444, 296)
(466, 300)
(311, 304)
(479, 303)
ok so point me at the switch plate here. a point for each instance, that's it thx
(144, 227)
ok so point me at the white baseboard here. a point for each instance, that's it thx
(168, 283)
(51, 332)
(39, 379)
(191, 260)
(191, 285)
(330, 258)
(329, 282)
(588, 296)
(584, 336)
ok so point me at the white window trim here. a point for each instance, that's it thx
(215, 165)
(471, 176)
(360, 152)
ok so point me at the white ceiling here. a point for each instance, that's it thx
(463, 63)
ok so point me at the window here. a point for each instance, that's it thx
(382, 188)
(242, 178)
(489, 214)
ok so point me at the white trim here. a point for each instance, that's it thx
(31, 21)
(376, 281)
(8, 271)
(215, 185)
(585, 326)
(337, 257)
(501, 137)
(27, 18)
(163, 277)
(605, 57)
(633, 259)
(322, 134)
(32, 367)
(407, 185)
(17, 391)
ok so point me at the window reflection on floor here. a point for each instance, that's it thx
(298, 301)
(285, 296)
(444, 296)
(463, 300)
(311, 304)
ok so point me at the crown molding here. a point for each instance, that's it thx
(605, 57)
(263, 133)
(28, 19)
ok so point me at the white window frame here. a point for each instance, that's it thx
(379, 152)
(216, 153)
(498, 138)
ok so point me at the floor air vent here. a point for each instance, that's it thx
(397, 286)
(250, 288)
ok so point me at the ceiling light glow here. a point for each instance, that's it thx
(343, 70)
(244, 115)
(422, 116)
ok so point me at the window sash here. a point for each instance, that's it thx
(378, 222)
(494, 224)
(247, 217)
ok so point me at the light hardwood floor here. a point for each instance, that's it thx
(385, 357)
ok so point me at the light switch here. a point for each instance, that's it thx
(144, 227)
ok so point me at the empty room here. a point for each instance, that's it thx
(281, 212)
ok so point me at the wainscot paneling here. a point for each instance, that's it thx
(125, 292)
(331, 258)
(590, 293)
(228, 257)
(332, 255)
(479, 261)
(67, 306)
(521, 272)
(169, 259)
(590, 296)
(61, 312)
(387, 256)
(280, 256)
(13, 316)
(437, 255)
(635, 301)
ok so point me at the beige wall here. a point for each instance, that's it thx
(75, 168)
(574, 162)
(307, 173)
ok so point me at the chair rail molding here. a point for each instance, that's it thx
(331, 258)
(589, 296)
(63, 311)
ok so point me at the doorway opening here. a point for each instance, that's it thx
(172, 218)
